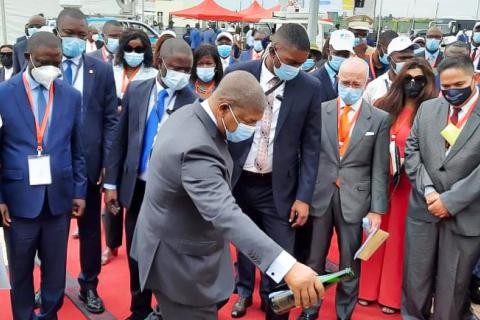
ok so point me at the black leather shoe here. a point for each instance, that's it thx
(93, 303)
(307, 316)
(240, 307)
(38, 300)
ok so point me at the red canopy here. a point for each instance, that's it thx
(266, 14)
(254, 9)
(208, 10)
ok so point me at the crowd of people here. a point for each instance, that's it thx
(273, 145)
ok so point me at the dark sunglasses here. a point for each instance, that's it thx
(136, 49)
(421, 79)
(6, 53)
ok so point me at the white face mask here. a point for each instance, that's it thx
(175, 80)
(45, 75)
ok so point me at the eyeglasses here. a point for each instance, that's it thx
(6, 53)
(421, 79)
(136, 49)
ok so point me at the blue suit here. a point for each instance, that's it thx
(99, 113)
(195, 38)
(40, 214)
(296, 149)
(19, 50)
(327, 87)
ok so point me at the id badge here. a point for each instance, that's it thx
(39, 170)
(450, 134)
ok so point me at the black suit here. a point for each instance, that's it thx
(327, 86)
(268, 199)
(19, 50)
(2, 74)
(122, 171)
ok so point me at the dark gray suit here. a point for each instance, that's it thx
(19, 50)
(188, 218)
(363, 173)
(440, 254)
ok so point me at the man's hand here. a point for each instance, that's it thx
(375, 221)
(306, 287)
(438, 209)
(111, 202)
(6, 221)
(299, 214)
(432, 197)
(100, 179)
(78, 208)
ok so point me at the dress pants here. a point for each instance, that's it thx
(438, 263)
(89, 227)
(254, 195)
(349, 236)
(48, 235)
(141, 301)
(113, 225)
(175, 311)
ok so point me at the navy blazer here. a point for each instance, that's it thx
(99, 112)
(2, 74)
(327, 87)
(297, 141)
(19, 50)
(64, 146)
(123, 161)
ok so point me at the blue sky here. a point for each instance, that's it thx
(399, 8)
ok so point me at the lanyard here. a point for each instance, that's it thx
(355, 117)
(399, 125)
(460, 124)
(126, 79)
(40, 129)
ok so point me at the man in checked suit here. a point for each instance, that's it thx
(443, 223)
(135, 133)
(352, 180)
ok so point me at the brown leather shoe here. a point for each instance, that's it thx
(240, 307)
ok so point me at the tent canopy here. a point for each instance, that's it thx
(208, 10)
(254, 9)
(266, 14)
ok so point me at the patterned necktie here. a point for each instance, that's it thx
(344, 130)
(261, 161)
(151, 129)
(69, 71)
(454, 117)
(474, 53)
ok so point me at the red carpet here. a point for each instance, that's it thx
(114, 289)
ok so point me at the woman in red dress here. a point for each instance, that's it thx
(381, 276)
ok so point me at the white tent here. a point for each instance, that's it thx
(15, 13)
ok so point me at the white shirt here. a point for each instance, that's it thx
(91, 46)
(265, 77)
(142, 74)
(284, 262)
(77, 72)
(225, 62)
(432, 57)
(377, 88)
(8, 73)
(354, 108)
(477, 56)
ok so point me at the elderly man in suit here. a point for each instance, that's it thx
(34, 23)
(352, 181)
(443, 224)
(275, 170)
(42, 173)
(189, 216)
(111, 32)
(94, 80)
(149, 103)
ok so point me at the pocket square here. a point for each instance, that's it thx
(370, 133)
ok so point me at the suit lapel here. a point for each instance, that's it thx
(89, 74)
(288, 99)
(144, 94)
(24, 105)
(361, 127)
(472, 124)
(331, 125)
(57, 110)
(2, 74)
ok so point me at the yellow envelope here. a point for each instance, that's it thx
(450, 133)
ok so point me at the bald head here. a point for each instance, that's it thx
(175, 46)
(354, 71)
(43, 39)
(43, 49)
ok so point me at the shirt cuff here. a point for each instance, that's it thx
(281, 266)
(109, 186)
(428, 190)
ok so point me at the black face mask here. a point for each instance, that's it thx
(413, 88)
(457, 97)
(6, 59)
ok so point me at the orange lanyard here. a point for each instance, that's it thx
(40, 129)
(460, 124)
(355, 117)
(372, 68)
(126, 79)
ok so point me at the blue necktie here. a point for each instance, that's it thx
(41, 106)
(151, 130)
(69, 71)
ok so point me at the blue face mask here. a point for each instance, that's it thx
(398, 66)
(419, 51)
(242, 133)
(32, 31)
(133, 59)
(257, 45)
(112, 45)
(358, 41)
(308, 64)
(349, 95)
(285, 72)
(336, 62)
(476, 37)
(432, 45)
(384, 59)
(224, 50)
(206, 74)
(73, 47)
